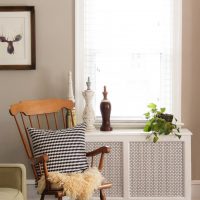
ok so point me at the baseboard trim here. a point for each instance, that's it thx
(195, 182)
(195, 189)
(30, 182)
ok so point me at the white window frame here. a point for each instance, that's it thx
(79, 67)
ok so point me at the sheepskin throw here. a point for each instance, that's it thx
(78, 186)
(65, 148)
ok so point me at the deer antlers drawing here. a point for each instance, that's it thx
(10, 48)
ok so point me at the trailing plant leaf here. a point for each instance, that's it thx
(147, 115)
(155, 139)
(179, 136)
(162, 110)
(147, 128)
(153, 110)
(152, 105)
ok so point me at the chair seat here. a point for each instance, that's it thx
(102, 186)
(10, 194)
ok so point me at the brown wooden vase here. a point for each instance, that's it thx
(105, 107)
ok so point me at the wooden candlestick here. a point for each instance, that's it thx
(105, 107)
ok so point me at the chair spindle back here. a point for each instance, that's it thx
(42, 114)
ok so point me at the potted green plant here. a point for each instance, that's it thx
(160, 123)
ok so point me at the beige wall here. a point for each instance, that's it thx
(55, 56)
(191, 78)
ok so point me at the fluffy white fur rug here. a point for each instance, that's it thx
(76, 185)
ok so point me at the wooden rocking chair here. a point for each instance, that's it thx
(43, 114)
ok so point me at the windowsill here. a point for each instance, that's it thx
(127, 124)
(122, 124)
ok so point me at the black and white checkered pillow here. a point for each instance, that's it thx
(65, 148)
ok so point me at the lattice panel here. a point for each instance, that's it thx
(113, 166)
(156, 169)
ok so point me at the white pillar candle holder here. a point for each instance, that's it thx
(70, 87)
(88, 113)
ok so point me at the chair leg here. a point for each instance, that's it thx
(42, 197)
(102, 195)
(59, 195)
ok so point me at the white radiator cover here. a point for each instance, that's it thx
(142, 170)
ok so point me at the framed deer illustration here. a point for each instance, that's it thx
(17, 38)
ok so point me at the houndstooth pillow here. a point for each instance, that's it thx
(65, 148)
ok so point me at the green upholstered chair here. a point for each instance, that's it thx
(13, 182)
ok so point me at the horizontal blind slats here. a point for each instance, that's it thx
(128, 47)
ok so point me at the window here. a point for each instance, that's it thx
(133, 47)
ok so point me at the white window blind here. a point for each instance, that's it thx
(132, 47)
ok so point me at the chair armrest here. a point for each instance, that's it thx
(101, 151)
(40, 160)
(104, 149)
(14, 176)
